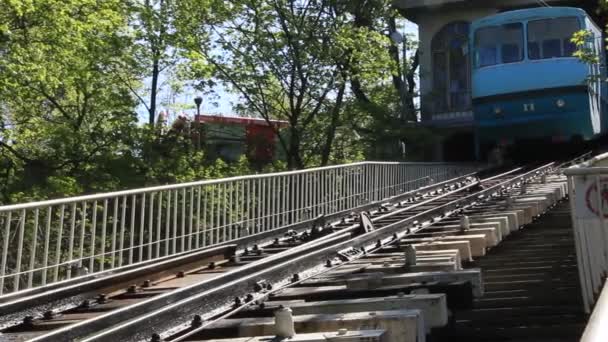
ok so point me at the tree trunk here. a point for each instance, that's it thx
(411, 86)
(294, 160)
(393, 51)
(154, 90)
(331, 130)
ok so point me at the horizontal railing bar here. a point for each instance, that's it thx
(146, 244)
(208, 295)
(597, 326)
(109, 230)
(69, 200)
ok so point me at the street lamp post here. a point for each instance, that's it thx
(198, 101)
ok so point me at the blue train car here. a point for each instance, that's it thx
(527, 86)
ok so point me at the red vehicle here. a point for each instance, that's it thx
(230, 137)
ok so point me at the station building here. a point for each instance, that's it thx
(445, 84)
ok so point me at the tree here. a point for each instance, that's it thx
(64, 111)
(291, 60)
(381, 17)
(155, 50)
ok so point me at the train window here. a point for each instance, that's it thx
(499, 44)
(512, 40)
(550, 38)
(533, 50)
(552, 48)
(485, 46)
(569, 47)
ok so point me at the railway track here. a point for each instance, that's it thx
(202, 286)
(532, 288)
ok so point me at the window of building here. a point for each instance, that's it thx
(550, 38)
(451, 80)
(499, 44)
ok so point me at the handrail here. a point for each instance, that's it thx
(587, 195)
(597, 327)
(49, 241)
(68, 200)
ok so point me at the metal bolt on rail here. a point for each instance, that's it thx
(85, 304)
(237, 302)
(28, 321)
(48, 315)
(101, 298)
(197, 321)
(259, 286)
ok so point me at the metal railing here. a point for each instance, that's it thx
(597, 326)
(588, 193)
(50, 241)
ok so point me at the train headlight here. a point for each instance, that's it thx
(561, 103)
(497, 110)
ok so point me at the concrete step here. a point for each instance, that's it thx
(484, 315)
(563, 332)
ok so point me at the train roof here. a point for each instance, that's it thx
(527, 15)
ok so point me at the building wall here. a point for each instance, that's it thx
(432, 22)
(432, 15)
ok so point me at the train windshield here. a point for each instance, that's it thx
(499, 44)
(550, 38)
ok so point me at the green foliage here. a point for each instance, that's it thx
(63, 110)
(289, 60)
(584, 47)
(73, 72)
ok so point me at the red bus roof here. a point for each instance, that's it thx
(237, 120)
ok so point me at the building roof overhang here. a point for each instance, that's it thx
(412, 8)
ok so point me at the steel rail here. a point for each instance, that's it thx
(197, 326)
(60, 291)
(152, 223)
(162, 312)
(72, 295)
(269, 260)
(58, 299)
(203, 303)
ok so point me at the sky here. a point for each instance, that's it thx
(221, 102)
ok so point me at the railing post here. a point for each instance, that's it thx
(210, 212)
